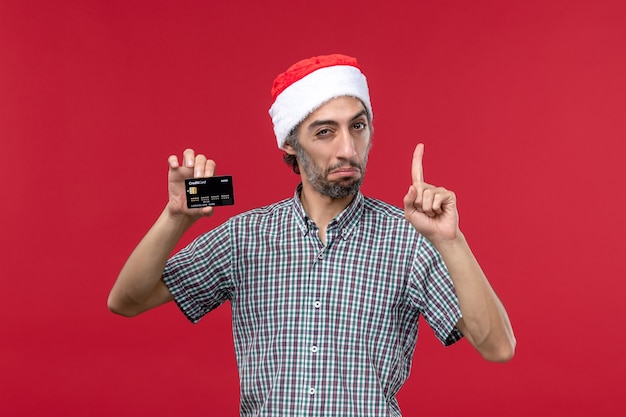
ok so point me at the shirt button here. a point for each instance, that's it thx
(313, 348)
(320, 256)
(312, 391)
(317, 304)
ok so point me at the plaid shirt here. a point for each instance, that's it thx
(319, 330)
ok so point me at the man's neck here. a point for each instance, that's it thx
(322, 209)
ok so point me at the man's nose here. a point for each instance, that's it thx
(346, 148)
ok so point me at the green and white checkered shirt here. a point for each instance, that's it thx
(319, 330)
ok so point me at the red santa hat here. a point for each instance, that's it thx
(308, 84)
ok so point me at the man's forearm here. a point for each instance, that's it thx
(485, 322)
(138, 286)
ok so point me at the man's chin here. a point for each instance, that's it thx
(341, 189)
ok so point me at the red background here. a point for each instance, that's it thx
(522, 108)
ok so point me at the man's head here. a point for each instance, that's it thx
(308, 84)
(331, 147)
(322, 119)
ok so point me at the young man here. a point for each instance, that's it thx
(326, 287)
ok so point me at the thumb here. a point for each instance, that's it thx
(409, 198)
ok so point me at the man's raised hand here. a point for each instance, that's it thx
(194, 166)
(431, 210)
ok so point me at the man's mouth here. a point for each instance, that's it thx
(348, 171)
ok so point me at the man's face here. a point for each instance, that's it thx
(332, 148)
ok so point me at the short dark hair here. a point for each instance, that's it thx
(291, 160)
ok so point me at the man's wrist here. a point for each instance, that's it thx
(449, 243)
(177, 219)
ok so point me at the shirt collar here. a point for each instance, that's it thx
(345, 222)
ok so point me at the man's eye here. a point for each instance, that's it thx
(323, 132)
(359, 125)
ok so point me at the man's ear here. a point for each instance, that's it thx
(289, 149)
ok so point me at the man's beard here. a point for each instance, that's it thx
(318, 180)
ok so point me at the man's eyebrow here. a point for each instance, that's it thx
(362, 113)
(317, 123)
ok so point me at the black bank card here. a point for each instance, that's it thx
(212, 191)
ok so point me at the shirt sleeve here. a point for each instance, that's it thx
(199, 276)
(433, 292)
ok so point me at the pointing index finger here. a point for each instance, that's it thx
(417, 172)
